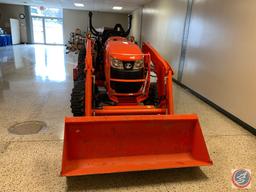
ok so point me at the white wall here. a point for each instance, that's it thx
(137, 25)
(162, 25)
(79, 19)
(221, 59)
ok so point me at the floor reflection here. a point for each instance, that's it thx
(6, 63)
(34, 65)
(49, 63)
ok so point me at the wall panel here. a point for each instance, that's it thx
(163, 25)
(8, 11)
(136, 25)
(221, 61)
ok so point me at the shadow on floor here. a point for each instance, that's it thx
(122, 180)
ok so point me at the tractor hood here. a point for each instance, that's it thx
(123, 49)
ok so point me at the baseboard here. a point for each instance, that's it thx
(218, 108)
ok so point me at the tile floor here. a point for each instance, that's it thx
(35, 84)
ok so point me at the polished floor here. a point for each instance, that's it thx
(35, 84)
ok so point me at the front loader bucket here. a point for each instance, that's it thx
(96, 145)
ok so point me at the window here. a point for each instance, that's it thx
(46, 12)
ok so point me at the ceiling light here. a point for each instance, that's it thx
(117, 8)
(79, 4)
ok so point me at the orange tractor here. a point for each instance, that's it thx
(123, 111)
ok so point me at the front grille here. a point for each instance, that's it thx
(127, 74)
(121, 87)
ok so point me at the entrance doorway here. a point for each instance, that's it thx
(47, 24)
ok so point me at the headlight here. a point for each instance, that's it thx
(117, 64)
(138, 64)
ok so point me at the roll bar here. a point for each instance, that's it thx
(92, 29)
(117, 26)
(129, 25)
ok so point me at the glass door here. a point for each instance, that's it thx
(38, 30)
(53, 30)
(47, 25)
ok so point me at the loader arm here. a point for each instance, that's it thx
(89, 78)
(164, 74)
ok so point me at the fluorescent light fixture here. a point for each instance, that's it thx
(79, 4)
(117, 8)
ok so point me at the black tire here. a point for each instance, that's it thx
(81, 64)
(78, 99)
(152, 95)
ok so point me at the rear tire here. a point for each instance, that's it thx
(81, 64)
(78, 98)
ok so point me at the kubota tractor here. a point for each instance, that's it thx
(123, 121)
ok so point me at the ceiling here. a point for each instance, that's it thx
(94, 5)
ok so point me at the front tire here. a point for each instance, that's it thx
(152, 95)
(78, 98)
(81, 64)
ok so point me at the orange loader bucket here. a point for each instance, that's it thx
(97, 145)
